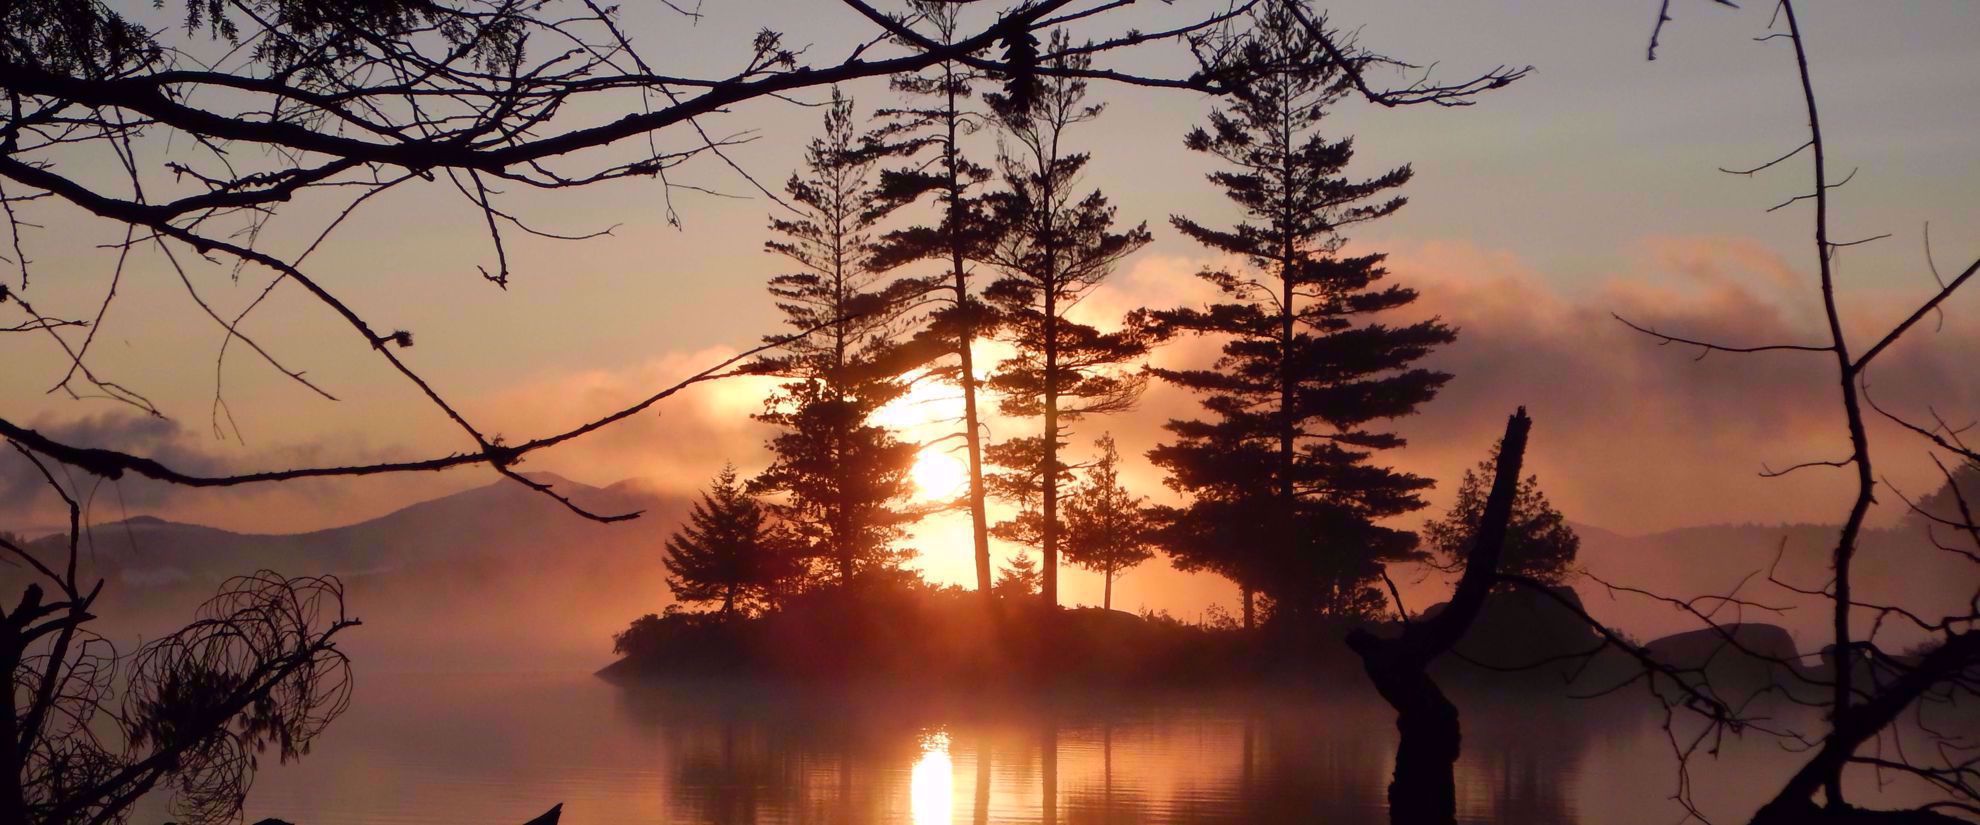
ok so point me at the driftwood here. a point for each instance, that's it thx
(1424, 790)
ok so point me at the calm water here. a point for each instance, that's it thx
(501, 749)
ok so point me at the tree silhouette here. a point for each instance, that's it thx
(1107, 529)
(1867, 689)
(1054, 245)
(1283, 496)
(1864, 688)
(727, 552)
(1943, 507)
(370, 97)
(1424, 788)
(1538, 545)
(356, 100)
(488, 100)
(1019, 578)
(937, 118)
(838, 480)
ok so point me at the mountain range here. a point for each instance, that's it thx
(424, 576)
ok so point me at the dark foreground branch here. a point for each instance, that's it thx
(114, 464)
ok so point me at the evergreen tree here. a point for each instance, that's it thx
(1019, 578)
(1539, 543)
(937, 118)
(1955, 503)
(1053, 246)
(726, 552)
(840, 482)
(1107, 528)
(1284, 498)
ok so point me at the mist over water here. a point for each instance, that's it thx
(501, 748)
(442, 730)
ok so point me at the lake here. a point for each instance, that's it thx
(500, 749)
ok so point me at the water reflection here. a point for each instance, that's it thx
(485, 749)
(932, 786)
(980, 798)
(745, 755)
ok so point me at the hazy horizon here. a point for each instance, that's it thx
(1523, 232)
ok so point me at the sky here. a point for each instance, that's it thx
(1590, 187)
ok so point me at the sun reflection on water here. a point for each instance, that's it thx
(931, 787)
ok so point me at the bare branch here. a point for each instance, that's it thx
(1708, 347)
(1664, 16)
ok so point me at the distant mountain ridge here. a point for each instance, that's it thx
(563, 574)
(423, 577)
(494, 520)
(1895, 565)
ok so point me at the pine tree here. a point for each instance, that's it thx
(1053, 247)
(1107, 528)
(1539, 543)
(939, 122)
(840, 482)
(726, 552)
(1284, 498)
(1954, 504)
(1019, 578)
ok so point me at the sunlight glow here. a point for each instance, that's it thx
(938, 476)
(931, 787)
(929, 406)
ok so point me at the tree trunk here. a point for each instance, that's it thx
(1250, 610)
(1107, 592)
(979, 522)
(1423, 791)
(1050, 326)
(13, 802)
(1424, 788)
(839, 518)
(549, 817)
(1049, 460)
(1288, 457)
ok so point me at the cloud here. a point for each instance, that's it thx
(1637, 436)
(1630, 435)
(677, 444)
(23, 487)
(673, 447)
(28, 504)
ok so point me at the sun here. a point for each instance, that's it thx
(938, 476)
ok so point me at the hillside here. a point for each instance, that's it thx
(1894, 566)
(499, 519)
(414, 574)
(417, 575)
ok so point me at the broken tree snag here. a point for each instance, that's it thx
(1424, 790)
(549, 817)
